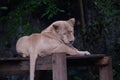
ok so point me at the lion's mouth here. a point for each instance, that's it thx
(69, 44)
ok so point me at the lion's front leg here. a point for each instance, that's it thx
(69, 50)
(80, 52)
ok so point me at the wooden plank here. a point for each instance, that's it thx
(57, 63)
(105, 71)
(96, 56)
(45, 63)
(90, 60)
(59, 67)
(14, 59)
(104, 61)
(18, 59)
(7, 65)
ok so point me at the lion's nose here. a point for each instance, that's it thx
(71, 42)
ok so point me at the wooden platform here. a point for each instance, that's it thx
(58, 64)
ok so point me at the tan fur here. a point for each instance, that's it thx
(58, 37)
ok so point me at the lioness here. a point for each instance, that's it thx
(57, 38)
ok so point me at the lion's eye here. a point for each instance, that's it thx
(69, 31)
(64, 33)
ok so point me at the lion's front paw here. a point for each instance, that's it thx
(83, 52)
(87, 53)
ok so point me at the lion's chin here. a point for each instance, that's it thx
(69, 44)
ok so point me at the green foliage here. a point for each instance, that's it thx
(51, 11)
(20, 17)
(3, 8)
(110, 15)
(106, 17)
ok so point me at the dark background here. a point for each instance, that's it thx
(97, 28)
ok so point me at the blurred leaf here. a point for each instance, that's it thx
(4, 8)
(118, 40)
(115, 12)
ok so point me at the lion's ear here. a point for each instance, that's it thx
(71, 21)
(56, 27)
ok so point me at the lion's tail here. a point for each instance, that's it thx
(32, 65)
